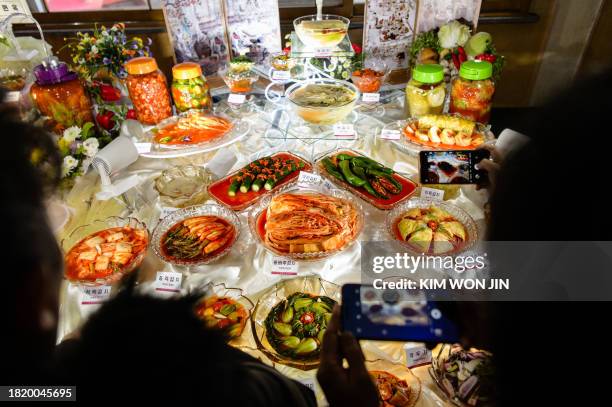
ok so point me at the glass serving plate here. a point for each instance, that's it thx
(183, 185)
(236, 294)
(85, 231)
(412, 145)
(218, 189)
(274, 295)
(257, 221)
(239, 129)
(322, 115)
(408, 187)
(190, 212)
(459, 214)
(402, 373)
(437, 375)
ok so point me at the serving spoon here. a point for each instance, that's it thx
(319, 10)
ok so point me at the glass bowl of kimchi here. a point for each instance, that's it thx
(305, 223)
(196, 235)
(264, 324)
(105, 250)
(396, 384)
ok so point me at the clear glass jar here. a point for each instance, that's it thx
(59, 94)
(189, 88)
(472, 91)
(148, 90)
(426, 90)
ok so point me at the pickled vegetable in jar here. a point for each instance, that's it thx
(189, 88)
(426, 90)
(472, 92)
(59, 94)
(148, 90)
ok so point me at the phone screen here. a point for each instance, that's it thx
(403, 315)
(452, 167)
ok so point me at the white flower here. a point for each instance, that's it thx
(453, 34)
(72, 133)
(91, 146)
(94, 50)
(69, 164)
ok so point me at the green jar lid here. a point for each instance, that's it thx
(476, 70)
(428, 73)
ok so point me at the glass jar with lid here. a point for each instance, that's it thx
(189, 88)
(148, 90)
(426, 90)
(59, 94)
(472, 91)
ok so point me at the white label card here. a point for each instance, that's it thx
(95, 295)
(12, 97)
(323, 52)
(390, 134)
(345, 130)
(308, 179)
(236, 99)
(281, 75)
(284, 266)
(165, 211)
(370, 97)
(432, 193)
(417, 355)
(168, 281)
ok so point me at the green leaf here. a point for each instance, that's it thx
(87, 130)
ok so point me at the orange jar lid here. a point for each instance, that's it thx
(141, 65)
(186, 70)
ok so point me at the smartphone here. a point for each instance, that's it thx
(452, 167)
(394, 315)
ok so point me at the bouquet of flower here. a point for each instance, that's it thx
(105, 51)
(77, 146)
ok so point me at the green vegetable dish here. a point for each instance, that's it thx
(295, 326)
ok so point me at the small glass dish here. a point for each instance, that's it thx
(327, 32)
(239, 81)
(83, 233)
(273, 296)
(459, 214)
(408, 187)
(371, 77)
(280, 61)
(183, 185)
(258, 218)
(384, 371)
(214, 295)
(228, 217)
(322, 115)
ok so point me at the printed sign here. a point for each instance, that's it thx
(168, 281)
(284, 266)
(390, 134)
(344, 130)
(236, 99)
(370, 97)
(432, 193)
(95, 295)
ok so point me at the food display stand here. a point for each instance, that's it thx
(233, 160)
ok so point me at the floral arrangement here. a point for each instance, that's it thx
(77, 146)
(105, 51)
(451, 45)
(99, 60)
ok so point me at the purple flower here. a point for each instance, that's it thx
(73, 147)
(149, 41)
(106, 61)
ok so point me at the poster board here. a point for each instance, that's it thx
(198, 33)
(434, 13)
(253, 28)
(389, 29)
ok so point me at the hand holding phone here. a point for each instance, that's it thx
(453, 167)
